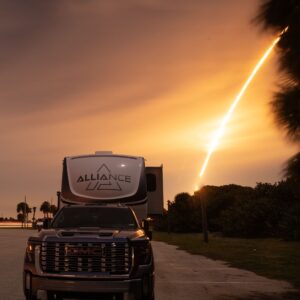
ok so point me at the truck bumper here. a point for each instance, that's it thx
(83, 286)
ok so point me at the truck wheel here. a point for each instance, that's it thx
(29, 297)
(150, 296)
(148, 288)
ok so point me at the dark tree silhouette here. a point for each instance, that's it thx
(276, 15)
(181, 212)
(53, 209)
(23, 210)
(45, 208)
(21, 218)
(292, 171)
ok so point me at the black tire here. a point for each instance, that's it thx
(30, 297)
(150, 296)
(147, 298)
(148, 291)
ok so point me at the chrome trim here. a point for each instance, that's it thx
(95, 275)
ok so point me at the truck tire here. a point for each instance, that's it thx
(150, 296)
(30, 297)
(148, 288)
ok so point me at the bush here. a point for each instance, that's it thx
(290, 223)
(249, 218)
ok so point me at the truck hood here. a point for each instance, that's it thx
(93, 234)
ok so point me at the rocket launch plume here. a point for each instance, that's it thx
(220, 132)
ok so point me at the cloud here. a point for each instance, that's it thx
(149, 78)
(58, 54)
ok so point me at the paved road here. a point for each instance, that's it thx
(179, 275)
(12, 247)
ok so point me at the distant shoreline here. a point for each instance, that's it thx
(14, 225)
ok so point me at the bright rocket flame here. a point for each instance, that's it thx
(227, 117)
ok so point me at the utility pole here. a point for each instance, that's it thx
(204, 220)
(58, 200)
(198, 195)
(169, 225)
(25, 213)
(33, 217)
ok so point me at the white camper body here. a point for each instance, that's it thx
(104, 177)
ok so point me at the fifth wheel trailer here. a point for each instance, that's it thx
(111, 178)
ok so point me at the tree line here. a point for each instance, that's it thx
(267, 210)
(23, 211)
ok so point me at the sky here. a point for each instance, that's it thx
(151, 78)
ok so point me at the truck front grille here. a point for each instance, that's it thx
(113, 258)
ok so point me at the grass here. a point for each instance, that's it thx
(272, 258)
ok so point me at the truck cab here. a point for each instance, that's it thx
(96, 244)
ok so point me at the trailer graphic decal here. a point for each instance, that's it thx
(103, 179)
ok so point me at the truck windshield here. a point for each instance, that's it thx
(103, 217)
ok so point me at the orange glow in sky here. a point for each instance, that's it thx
(145, 78)
(227, 117)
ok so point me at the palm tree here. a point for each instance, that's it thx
(277, 15)
(21, 218)
(33, 217)
(53, 209)
(292, 171)
(45, 208)
(23, 210)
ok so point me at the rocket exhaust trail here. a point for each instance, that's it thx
(227, 117)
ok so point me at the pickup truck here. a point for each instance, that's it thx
(90, 250)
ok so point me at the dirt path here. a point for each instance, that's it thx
(180, 275)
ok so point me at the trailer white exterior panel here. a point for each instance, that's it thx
(104, 177)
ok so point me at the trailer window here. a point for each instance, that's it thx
(151, 182)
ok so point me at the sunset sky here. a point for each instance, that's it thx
(151, 78)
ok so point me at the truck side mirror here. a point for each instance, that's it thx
(147, 228)
(151, 182)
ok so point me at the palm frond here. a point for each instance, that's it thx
(292, 168)
(286, 106)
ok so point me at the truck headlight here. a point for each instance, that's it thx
(30, 250)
